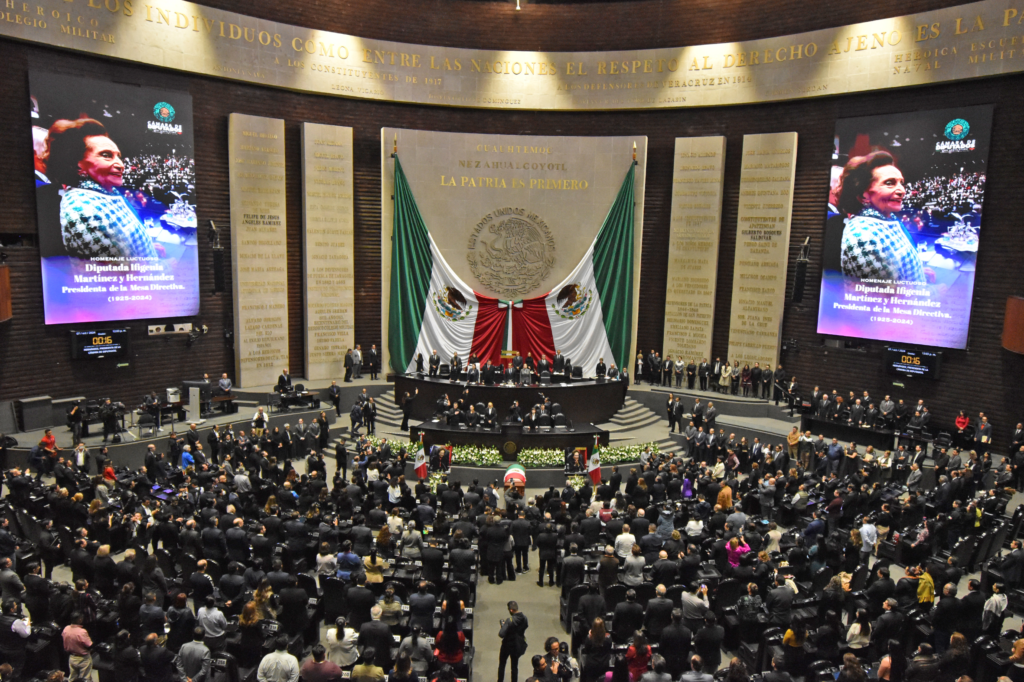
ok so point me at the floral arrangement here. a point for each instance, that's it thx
(626, 453)
(433, 479)
(536, 458)
(476, 456)
(576, 481)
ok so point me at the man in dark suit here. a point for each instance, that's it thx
(698, 413)
(658, 614)
(880, 591)
(375, 633)
(513, 641)
(284, 382)
(547, 554)
(767, 379)
(434, 363)
(972, 609)
(628, 617)
(710, 414)
(674, 644)
(946, 617)
(984, 434)
(755, 379)
(1017, 439)
(615, 480)
(716, 371)
(559, 362)
(350, 363)
(889, 625)
(590, 526)
(373, 358)
(776, 675)
(359, 600)
(703, 370)
(856, 414)
(780, 603)
(573, 568)
(201, 583)
(294, 617)
(1011, 566)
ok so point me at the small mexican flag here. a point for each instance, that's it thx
(594, 466)
(421, 464)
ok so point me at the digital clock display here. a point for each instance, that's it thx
(912, 362)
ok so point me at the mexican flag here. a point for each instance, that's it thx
(421, 464)
(589, 315)
(431, 307)
(594, 466)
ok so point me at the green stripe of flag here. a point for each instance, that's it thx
(411, 263)
(613, 271)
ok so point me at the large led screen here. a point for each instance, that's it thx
(903, 226)
(115, 200)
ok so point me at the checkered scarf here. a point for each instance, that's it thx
(876, 247)
(99, 224)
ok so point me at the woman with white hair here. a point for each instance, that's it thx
(412, 542)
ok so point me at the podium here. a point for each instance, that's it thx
(194, 409)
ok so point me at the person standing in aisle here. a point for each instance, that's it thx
(513, 641)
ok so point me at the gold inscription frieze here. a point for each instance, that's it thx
(968, 41)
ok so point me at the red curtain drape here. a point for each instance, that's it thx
(489, 331)
(531, 329)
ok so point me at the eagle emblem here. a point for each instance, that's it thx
(572, 302)
(451, 304)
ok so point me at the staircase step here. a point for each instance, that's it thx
(635, 421)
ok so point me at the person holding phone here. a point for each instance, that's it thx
(513, 641)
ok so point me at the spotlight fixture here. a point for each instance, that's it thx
(517, 6)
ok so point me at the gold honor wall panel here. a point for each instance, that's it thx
(259, 256)
(968, 41)
(327, 248)
(762, 248)
(464, 183)
(697, 177)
